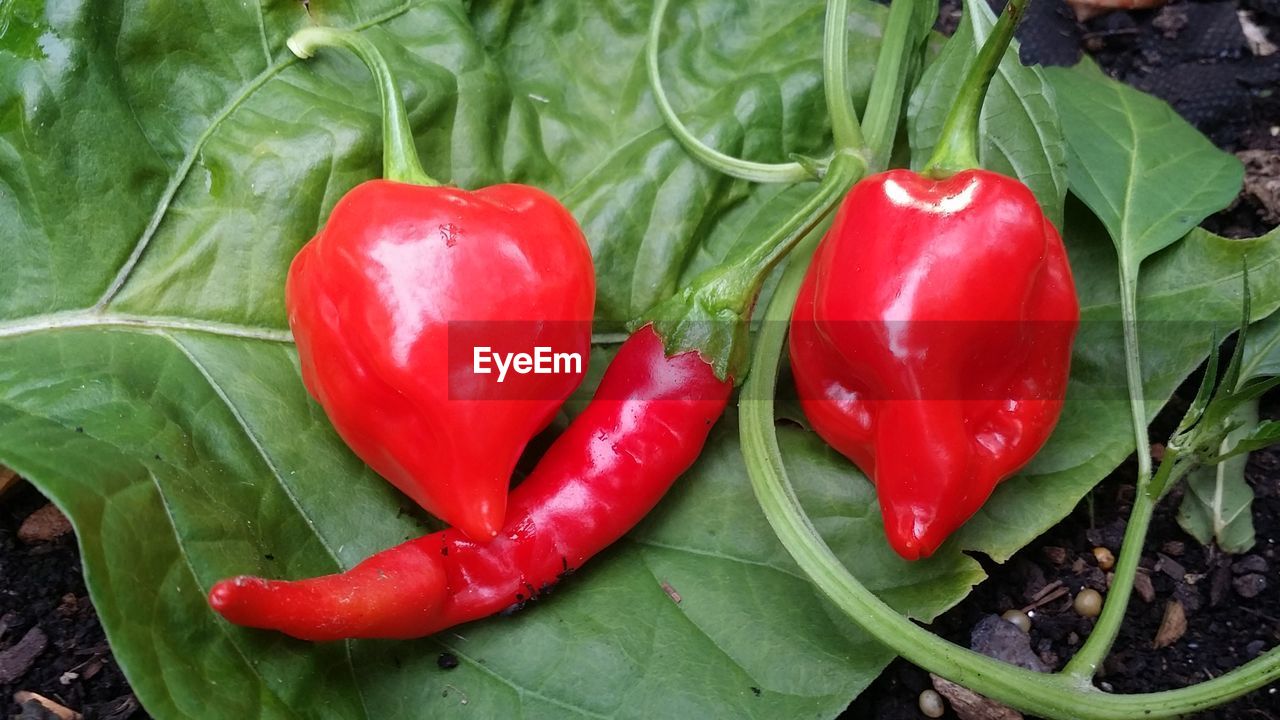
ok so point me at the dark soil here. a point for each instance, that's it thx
(1192, 54)
(42, 593)
(1224, 628)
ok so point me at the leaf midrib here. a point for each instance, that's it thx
(97, 314)
(94, 319)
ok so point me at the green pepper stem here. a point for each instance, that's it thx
(957, 147)
(835, 61)
(711, 314)
(705, 154)
(1048, 695)
(399, 156)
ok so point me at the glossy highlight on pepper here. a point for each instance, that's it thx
(931, 342)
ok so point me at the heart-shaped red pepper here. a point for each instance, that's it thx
(931, 342)
(393, 305)
(439, 328)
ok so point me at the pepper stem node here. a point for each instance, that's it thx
(711, 314)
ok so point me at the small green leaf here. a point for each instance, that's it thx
(1173, 178)
(1262, 352)
(1205, 392)
(1218, 502)
(1258, 437)
(1231, 378)
(1254, 388)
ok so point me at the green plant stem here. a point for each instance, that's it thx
(957, 147)
(835, 60)
(399, 155)
(1085, 663)
(889, 84)
(711, 314)
(709, 156)
(1053, 696)
(846, 168)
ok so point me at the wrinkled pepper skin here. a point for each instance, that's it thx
(931, 342)
(645, 426)
(396, 281)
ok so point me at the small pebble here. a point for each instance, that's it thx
(1142, 585)
(1248, 586)
(1019, 619)
(69, 605)
(995, 637)
(1254, 649)
(931, 704)
(1249, 564)
(1171, 567)
(46, 524)
(1105, 559)
(1088, 603)
(1188, 595)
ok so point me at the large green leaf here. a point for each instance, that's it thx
(1174, 178)
(158, 170)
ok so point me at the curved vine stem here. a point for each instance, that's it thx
(904, 31)
(735, 167)
(835, 62)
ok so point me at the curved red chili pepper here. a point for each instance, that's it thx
(644, 427)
